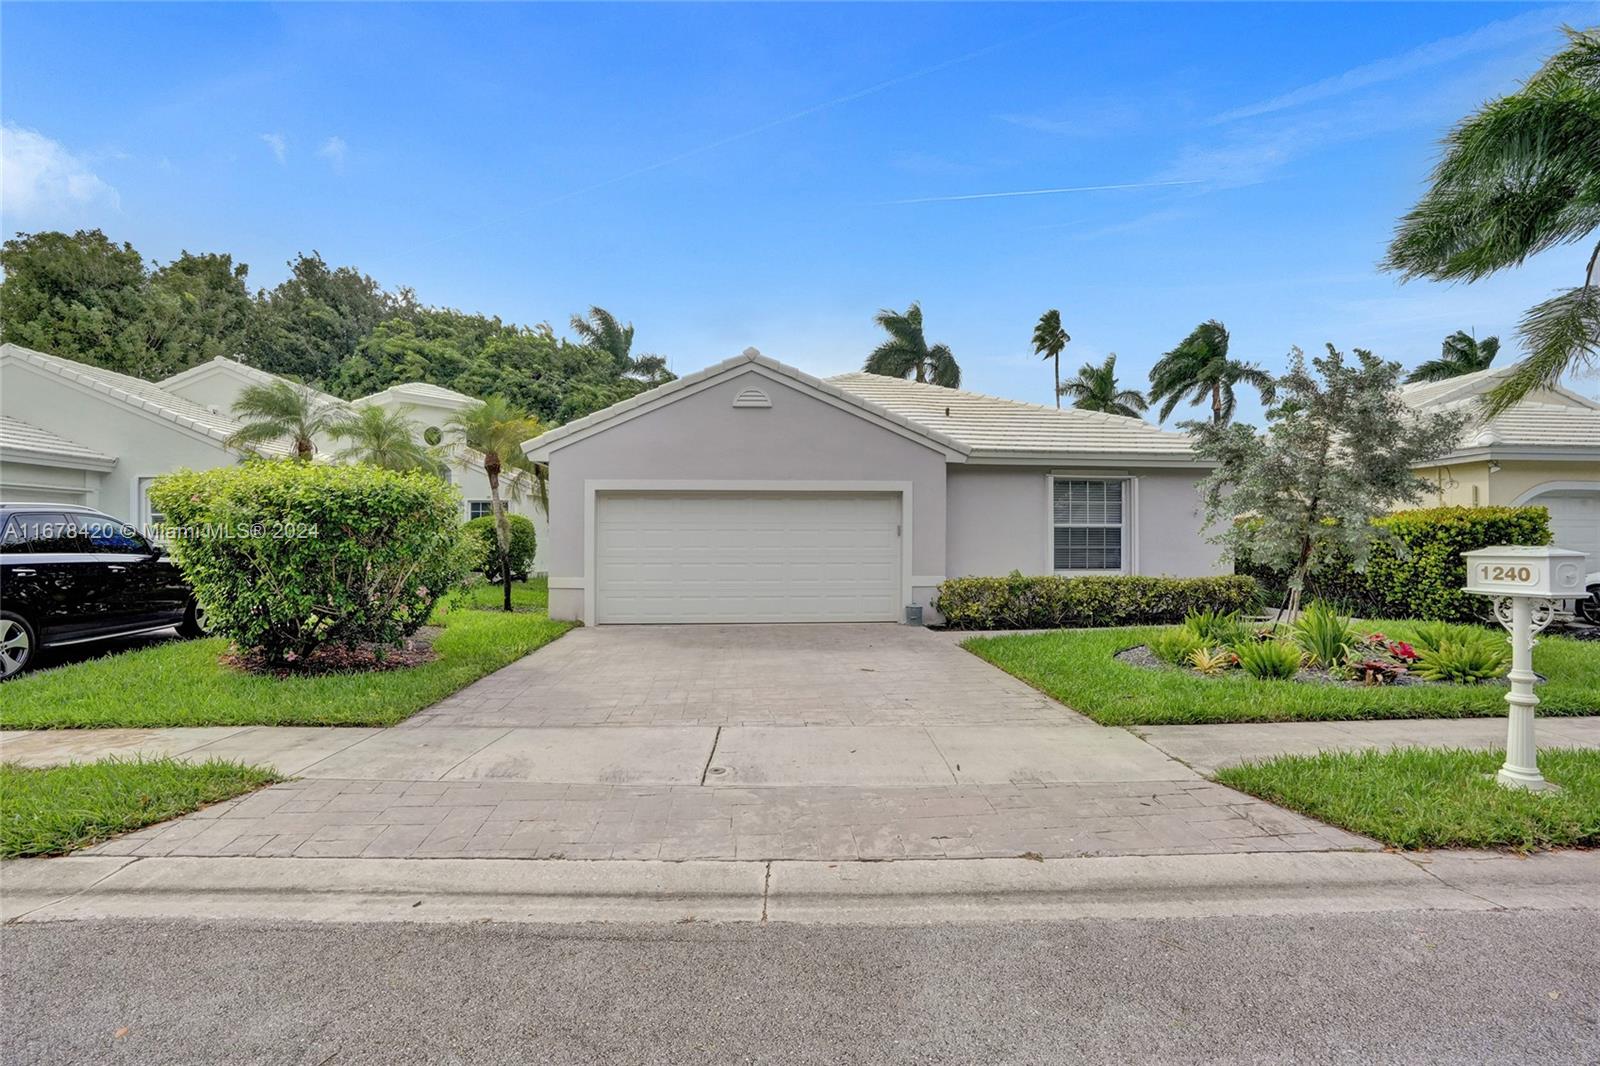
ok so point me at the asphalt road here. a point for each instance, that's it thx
(1416, 987)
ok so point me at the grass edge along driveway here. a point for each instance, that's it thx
(1077, 667)
(1433, 797)
(183, 683)
(56, 809)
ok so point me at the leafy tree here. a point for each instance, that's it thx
(1461, 353)
(1339, 450)
(284, 410)
(309, 324)
(906, 354)
(494, 431)
(1050, 340)
(601, 330)
(1519, 176)
(385, 438)
(1095, 389)
(1199, 369)
(210, 305)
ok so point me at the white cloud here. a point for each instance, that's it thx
(43, 183)
(334, 150)
(279, 145)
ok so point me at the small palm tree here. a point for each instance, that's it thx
(495, 431)
(906, 354)
(283, 410)
(1199, 369)
(602, 330)
(1461, 353)
(384, 438)
(1050, 340)
(1095, 389)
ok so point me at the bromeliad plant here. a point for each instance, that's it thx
(1327, 639)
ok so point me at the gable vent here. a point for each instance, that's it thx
(752, 397)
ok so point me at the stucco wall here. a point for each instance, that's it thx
(1454, 484)
(703, 437)
(21, 481)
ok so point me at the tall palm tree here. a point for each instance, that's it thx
(384, 438)
(1461, 353)
(1095, 389)
(283, 410)
(1199, 369)
(602, 330)
(651, 369)
(1050, 340)
(1519, 176)
(495, 431)
(907, 354)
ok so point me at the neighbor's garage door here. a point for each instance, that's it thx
(747, 557)
(1574, 521)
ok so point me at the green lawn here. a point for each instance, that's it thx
(182, 683)
(1075, 666)
(530, 595)
(1434, 797)
(56, 809)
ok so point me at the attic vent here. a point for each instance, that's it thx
(752, 397)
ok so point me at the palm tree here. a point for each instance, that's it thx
(1199, 369)
(1461, 353)
(384, 438)
(1519, 176)
(1095, 389)
(651, 369)
(283, 409)
(602, 330)
(495, 432)
(906, 354)
(1050, 340)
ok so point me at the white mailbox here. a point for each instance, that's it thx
(1517, 570)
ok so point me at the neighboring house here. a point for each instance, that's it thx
(752, 492)
(1545, 451)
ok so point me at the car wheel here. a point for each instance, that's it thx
(1589, 608)
(17, 644)
(195, 623)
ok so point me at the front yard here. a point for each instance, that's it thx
(1077, 667)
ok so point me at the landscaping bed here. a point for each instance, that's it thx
(1434, 797)
(57, 809)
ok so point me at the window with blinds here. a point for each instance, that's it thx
(1088, 517)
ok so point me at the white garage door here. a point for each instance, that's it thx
(747, 557)
(1574, 521)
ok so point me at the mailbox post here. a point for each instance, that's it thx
(1525, 584)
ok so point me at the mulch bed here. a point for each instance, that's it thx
(1142, 656)
(341, 659)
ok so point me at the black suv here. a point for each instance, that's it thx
(70, 575)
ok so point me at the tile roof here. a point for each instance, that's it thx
(18, 436)
(421, 390)
(1554, 418)
(244, 370)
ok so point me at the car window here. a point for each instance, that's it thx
(42, 532)
(108, 536)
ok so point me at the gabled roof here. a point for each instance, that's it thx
(221, 364)
(991, 427)
(23, 442)
(421, 392)
(142, 395)
(1553, 421)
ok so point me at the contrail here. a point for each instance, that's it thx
(1038, 192)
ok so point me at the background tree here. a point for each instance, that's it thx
(494, 432)
(1519, 176)
(1096, 389)
(1050, 340)
(1461, 353)
(1339, 450)
(309, 324)
(385, 438)
(906, 354)
(284, 410)
(1199, 369)
(602, 331)
(210, 305)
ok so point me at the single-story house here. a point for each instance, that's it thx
(1545, 451)
(753, 492)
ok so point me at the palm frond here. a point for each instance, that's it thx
(1558, 333)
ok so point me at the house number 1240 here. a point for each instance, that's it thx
(1511, 574)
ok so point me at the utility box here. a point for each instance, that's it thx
(914, 614)
(1518, 570)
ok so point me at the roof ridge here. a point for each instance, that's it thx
(1071, 412)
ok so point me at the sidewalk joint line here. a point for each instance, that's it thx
(716, 738)
(766, 891)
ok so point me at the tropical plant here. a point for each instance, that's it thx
(494, 432)
(1269, 660)
(1095, 389)
(384, 438)
(1470, 656)
(1461, 353)
(1338, 452)
(1199, 370)
(1050, 339)
(1176, 645)
(1327, 639)
(907, 354)
(1519, 176)
(601, 330)
(1213, 661)
(1217, 628)
(284, 410)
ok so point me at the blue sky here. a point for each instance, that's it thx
(771, 175)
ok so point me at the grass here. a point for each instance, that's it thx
(1076, 667)
(182, 683)
(57, 809)
(1434, 797)
(530, 595)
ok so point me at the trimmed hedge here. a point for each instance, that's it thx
(524, 545)
(1019, 602)
(1424, 578)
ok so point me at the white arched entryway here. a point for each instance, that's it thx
(1574, 508)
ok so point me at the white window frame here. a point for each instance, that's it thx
(489, 504)
(144, 511)
(1130, 505)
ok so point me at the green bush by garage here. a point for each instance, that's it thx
(1052, 602)
(524, 545)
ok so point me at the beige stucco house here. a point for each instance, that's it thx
(753, 492)
(1544, 451)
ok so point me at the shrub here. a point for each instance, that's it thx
(1460, 653)
(1018, 602)
(1327, 639)
(289, 556)
(1216, 628)
(1176, 645)
(1269, 660)
(1423, 578)
(1212, 661)
(524, 544)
